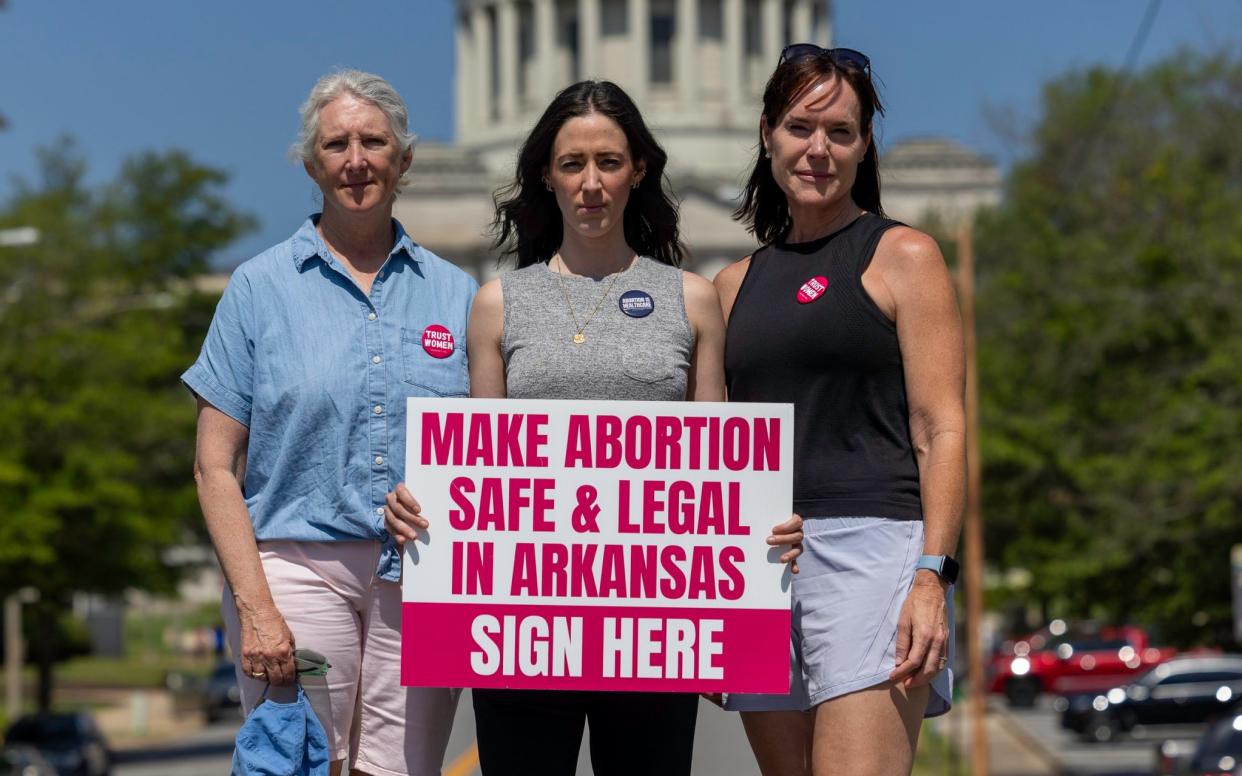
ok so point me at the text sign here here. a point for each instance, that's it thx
(598, 545)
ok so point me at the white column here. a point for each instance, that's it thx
(588, 39)
(465, 78)
(481, 86)
(800, 30)
(734, 21)
(546, 81)
(639, 25)
(507, 31)
(772, 25)
(686, 29)
(823, 24)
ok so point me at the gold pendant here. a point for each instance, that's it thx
(579, 338)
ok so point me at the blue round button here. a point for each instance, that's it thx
(636, 304)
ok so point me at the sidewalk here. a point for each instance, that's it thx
(132, 718)
(1011, 750)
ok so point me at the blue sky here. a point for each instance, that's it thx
(223, 79)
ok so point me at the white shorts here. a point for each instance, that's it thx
(334, 604)
(854, 574)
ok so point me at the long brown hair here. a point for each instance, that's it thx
(528, 223)
(764, 208)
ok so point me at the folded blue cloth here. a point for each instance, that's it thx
(281, 739)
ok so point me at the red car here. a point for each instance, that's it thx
(1060, 660)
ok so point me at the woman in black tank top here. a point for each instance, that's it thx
(852, 318)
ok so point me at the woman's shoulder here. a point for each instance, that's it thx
(443, 270)
(729, 279)
(285, 257)
(696, 286)
(906, 249)
(522, 276)
(275, 263)
(491, 297)
(733, 273)
(910, 269)
(651, 266)
(700, 295)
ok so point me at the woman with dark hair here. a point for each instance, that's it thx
(596, 309)
(852, 318)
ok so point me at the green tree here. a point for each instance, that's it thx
(1110, 345)
(96, 322)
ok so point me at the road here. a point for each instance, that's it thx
(205, 753)
(720, 749)
(1128, 757)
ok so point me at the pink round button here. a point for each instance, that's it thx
(438, 341)
(812, 289)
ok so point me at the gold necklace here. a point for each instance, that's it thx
(579, 337)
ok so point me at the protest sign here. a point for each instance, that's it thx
(598, 545)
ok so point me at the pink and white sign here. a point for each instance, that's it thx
(598, 545)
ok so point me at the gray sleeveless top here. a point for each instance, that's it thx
(624, 356)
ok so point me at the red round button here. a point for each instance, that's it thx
(812, 289)
(438, 341)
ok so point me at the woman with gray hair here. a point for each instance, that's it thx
(301, 388)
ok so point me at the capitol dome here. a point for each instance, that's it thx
(696, 68)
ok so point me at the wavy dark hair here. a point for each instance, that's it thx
(528, 221)
(764, 209)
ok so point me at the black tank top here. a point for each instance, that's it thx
(803, 330)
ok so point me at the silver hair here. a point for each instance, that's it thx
(364, 86)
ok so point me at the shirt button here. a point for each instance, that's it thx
(379, 511)
(375, 359)
(379, 410)
(382, 273)
(379, 460)
(371, 316)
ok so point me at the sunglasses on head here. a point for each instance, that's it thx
(843, 57)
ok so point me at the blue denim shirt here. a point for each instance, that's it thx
(319, 373)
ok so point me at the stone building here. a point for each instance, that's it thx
(934, 176)
(696, 68)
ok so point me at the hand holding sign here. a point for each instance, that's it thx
(788, 533)
(403, 515)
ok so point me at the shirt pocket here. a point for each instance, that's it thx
(428, 374)
(649, 367)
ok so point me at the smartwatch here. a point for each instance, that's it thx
(945, 567)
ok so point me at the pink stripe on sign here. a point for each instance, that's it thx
(595, 648)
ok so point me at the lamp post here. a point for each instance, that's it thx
(15, 649)
(973, 566)
(14, 644)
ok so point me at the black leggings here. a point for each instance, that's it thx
(523, 732)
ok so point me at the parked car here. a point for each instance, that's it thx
(1187, 690)
(221, 696)
(70, 742)
(23, 760)
(1219, 752)
(1067, 660)
(1173, 756)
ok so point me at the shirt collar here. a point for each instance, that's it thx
(307, 244)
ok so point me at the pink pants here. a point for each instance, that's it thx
(334, 604)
